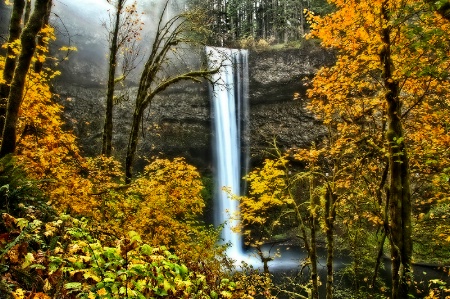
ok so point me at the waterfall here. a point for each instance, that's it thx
(229, 96)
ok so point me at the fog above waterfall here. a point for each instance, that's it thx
(81, 23)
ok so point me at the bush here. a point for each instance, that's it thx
(61, 259)
(16, 189)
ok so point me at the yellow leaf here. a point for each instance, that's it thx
(102, 292)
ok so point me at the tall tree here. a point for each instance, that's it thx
(281, 198)
(41, 43)
(399, 198)
(275, 20)
(161, 71)
(327, 180)
(15, 28)
(28, 46)
(123, 29)
(385, 74)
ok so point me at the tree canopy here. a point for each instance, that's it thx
(277, 21)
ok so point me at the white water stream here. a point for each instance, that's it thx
(229, 96)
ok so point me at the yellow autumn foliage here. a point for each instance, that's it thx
(163, 204)
(265, 209)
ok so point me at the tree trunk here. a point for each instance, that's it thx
(264, 19)
(39, 64)
(15, 28)
(302, 20)
(108, 127)
(285, 19)
(399, 180)
(27, 14)
(378, 261)
(330, 215)
(313, 248)
(310, 246)
(379, 193)
(28, 40)
(264, 259)
(132, 143)
(313, 257)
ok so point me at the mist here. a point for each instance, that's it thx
(81, 24)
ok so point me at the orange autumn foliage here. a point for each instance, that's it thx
(349, 98)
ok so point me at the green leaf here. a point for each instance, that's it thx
(100, 285)
(146, 249)
(214, 295)
(36, 223)
(37, 266)
(22, 223)
(140, 285)
(160, 292)
(134, 237)
(108, 279)
(91, 275)
(111, 275)
(440, 3)
(138, 268)
(29, 258)
(55, 263)
(4, 188)
(184, 270)
(73, 285)
(167, 285)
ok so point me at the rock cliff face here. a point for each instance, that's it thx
(274, 114)
(178, 122)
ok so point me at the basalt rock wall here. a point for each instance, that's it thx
(275, 76)
(178, 122)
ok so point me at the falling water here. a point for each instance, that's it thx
(229, 95)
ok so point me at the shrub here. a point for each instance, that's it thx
(62, 259)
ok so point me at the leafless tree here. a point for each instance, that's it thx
(166, 66)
